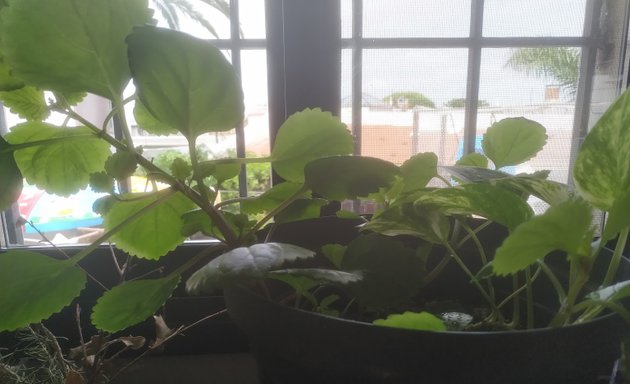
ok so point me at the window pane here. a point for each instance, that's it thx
(252, 18)
(400, 84)
(205, 18)
(533, 18)
(346, 19)
(513, 92)
(413, 18)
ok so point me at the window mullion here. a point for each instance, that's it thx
(474, 70)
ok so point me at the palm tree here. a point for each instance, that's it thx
(171, 10)
(560, 63)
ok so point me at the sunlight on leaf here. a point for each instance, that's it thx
(64, 164)
(513, 141)
(26, 102)
(422, 321)
(306, 136)
(156, 232)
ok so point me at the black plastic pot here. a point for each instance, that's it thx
(296, 346)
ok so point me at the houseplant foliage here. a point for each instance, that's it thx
(52, 54)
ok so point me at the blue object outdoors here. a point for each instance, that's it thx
(52, 213)
(479, 149)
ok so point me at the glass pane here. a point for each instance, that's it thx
(252, 18)
(413, 18)
(196, 18)
(346, 19)
(404, 93)
(533, 18)
(510, 92)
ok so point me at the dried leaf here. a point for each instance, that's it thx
(74, 377)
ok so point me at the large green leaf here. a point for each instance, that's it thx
(184, 82)
(150, 123)
(305, 136)
(301, 209)
(244, 263)
(34, 286)
(473, 174)
(513, 141)
(8, 82)
(318, 275)
(10, 177)
(564, 227)
(602, 167)
(131, 303)
(26, 102)
(418, 170)
(391, 272)
(473, 159)
(64, 163)
(71, 45)
(348, 177)
(154, 233)
(489, 201)
(422, 321)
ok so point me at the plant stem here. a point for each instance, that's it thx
(475, 282)
(530, 298)
(613, 266)
(554, 280)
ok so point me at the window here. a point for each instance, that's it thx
(412, 76)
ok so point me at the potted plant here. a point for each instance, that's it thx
(453, 300)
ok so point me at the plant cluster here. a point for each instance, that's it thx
(185, 85)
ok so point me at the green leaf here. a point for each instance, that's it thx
(472, 174)
(221, 169)
(101, 182)
(422, 321)
(348, 177)
(306, 136)
(565, 227)
(184, 82)
(72, 46)
(513, 141)
(334, 253)
(131, 303)
(318, 275)
(34, 287)
(27, 102)
(10, 177)
(199, 221)
(418, 170)
(549, 191)
(150, 123)
(271, 198)
(473, 160)
(391, 272)
(301, 209)
(402, 219)
(157, 231)
(602, 166)
(121, 165)
(65, 160)
(7, 81)
(489, 201)
(180, 169)
(242, 264)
